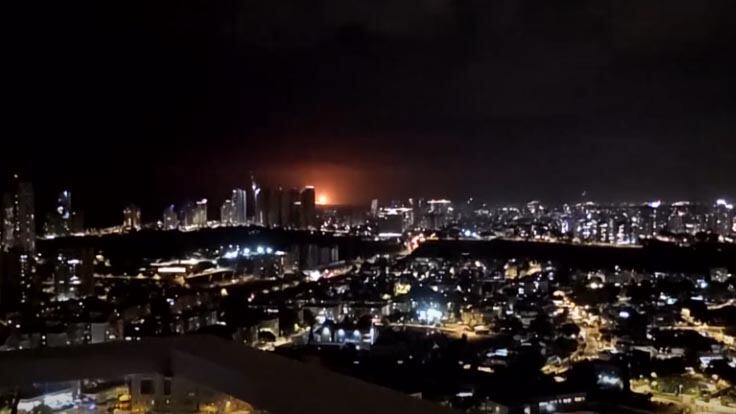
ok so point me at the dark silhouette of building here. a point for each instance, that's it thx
(274, 207)
(263, 207)
(290, 208)
(308, 213)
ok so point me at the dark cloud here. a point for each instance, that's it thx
(503, 99)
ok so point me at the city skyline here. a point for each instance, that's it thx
(615, 223)
(357, 206)
(107, 213)
(498, 100)
(338, 188)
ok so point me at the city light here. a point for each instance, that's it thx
(172, 269)
(534, 202)
(430, 315)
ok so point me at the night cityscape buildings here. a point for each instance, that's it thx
(350, 281)
(170, 218)
(346, 206)
(131, 218)
(238, 204)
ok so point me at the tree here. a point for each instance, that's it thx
(309, 321)
(364, 323)
(541, 325)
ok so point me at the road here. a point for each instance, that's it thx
(590, 342)
(454, 330)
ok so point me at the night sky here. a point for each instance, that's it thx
(155, 102)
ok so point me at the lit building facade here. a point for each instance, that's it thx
(169, 218)
(131, 218)
(200, 213)
(239, 206)
(19, 219)
(227, 213)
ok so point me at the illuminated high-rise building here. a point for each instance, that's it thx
(187, 214)
(308, 211)
(535, 208)
(723, 215)
(439, 213)
(650, 219)
(200, 213)
(62, 221)
(131, 218)
(19, 219)
(16, 277)
(64, 205)
(252, 201)
(19, 240)
(169, 218)
(227, 213)
(194, 215)
(374, 207)
(8, 214)
(73, 273)
(239, 200)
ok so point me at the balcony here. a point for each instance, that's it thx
(264, 380)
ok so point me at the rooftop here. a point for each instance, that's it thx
(268, 381)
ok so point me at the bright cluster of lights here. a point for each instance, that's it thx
(723, 203)
(54, 400)
(430, 315)
(247, 252)
(470, 234)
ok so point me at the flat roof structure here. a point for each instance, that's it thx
(268, 381)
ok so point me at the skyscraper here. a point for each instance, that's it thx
(9, 282)
(187, 214)
(252, 200)
(77, 222)
(73, 273)
(19, 219)
(308, 210)
(722, 217)
(227, 213)
(19, 240)
(61, 221)
(200, 213)
(263, 207)
(284, 208)
(374, 207)
(64, 205)
(290, 208)
(131, 218)
(194, 215)
(240, 207)
(8, 213)
(169, 218)
(274, 207)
